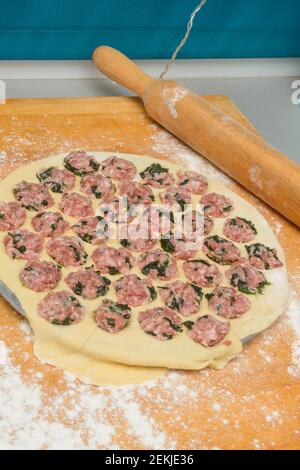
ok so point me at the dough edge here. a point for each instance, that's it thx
(56, 352)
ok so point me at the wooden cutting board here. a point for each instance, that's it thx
(252, 403)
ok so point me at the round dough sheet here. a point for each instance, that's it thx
(130, 355)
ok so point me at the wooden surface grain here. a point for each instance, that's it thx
(254, 402)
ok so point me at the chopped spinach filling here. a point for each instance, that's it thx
(188, 324)
(97, 194)
(198, 290)
(125, 243)
(184, 182)
(167, 245)
(209, 295)
(248, 222)
(56, 187)
(157, 266)
(153, 293)
(111, 321)
(44, 175)
(172, 325)
(115, 307)
(65, 322)
(17, 238)
(77, 254)
(153, 170)
(94, 165)
(112, 270)
(180, 201)
(78, 289)
(244, 288)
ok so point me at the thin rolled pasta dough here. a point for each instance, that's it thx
(131, 356)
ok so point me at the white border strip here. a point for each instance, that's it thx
(197, 68)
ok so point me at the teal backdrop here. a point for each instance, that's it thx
(147, 29)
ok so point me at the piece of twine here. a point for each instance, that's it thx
(184, 39)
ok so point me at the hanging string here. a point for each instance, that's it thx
(184, 39)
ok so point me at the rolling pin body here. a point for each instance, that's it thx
(239, 152)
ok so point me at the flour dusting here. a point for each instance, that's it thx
(166, 144)
(255, 176)
(45, 408)
(3, 158)
(83, 409)
(293, 314)
(171, 96)
(3, 353)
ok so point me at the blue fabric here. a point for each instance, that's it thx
(71, 29)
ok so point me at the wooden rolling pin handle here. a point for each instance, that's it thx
(238, 151)
(120, 69)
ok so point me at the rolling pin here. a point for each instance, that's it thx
(238, 151)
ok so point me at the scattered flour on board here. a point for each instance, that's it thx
(165, 143)
(26, 329)
(293, 313)
(3, 353)
(265, 356)
(3, 158)
(22, 408)
(154, 413)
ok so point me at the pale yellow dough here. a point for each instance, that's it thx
(131, 356)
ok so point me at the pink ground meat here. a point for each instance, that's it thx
(176, 198)
(22, 244)
(208, 331)
(180, 248)
(61, 308)
(132, 290)
(112, 316)
(92, 230)
(76, 205)
(182, 297)
(216, 205)
(246, 278)
(161, 323)
(33, 196)
(159, 220)
(113, 260)
(208, 225)
(157, 176)
(138, 238)
(56, 179)
(239, 230)
(136, 193)
(88, 283)
(227, 302)
(195, 225)
(118, 168)
(116, 210)
(98, 185)
(40, 275)
(263, 257)
(80, 163)
(157, 264)
(12, 216)
(67, 251)
(202, 273)
(192, 181)
(49, 224)
(220, 250)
